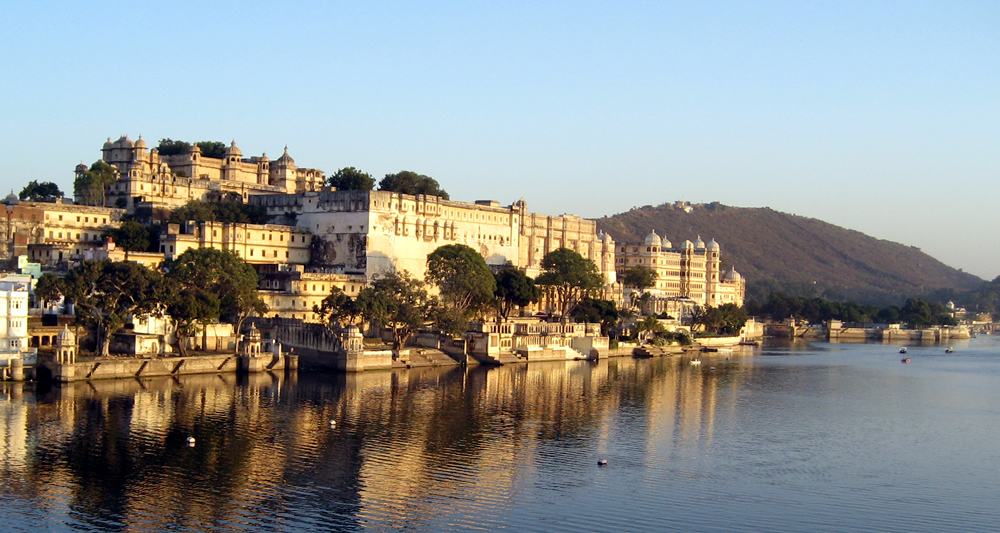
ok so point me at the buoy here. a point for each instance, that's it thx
(190, 441)
(602, 462)
(712, 369)
(333, 422)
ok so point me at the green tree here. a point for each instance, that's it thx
(567, 277)
(649, 327)
(107, 293)
(40, 192)
(48, 289)
(223, 274)
(337, 310)
(726, 319)
(597, 311)
(131, 236)
(514, 289)
(640, 278)
(465, 280)
(408, 182)
(227, 211)
(91, 186)
(396, 301)
(191, 309)
(213, 149)
(351, 179)
(172, 147)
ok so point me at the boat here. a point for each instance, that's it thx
(902, 350)
(949, 350)
(695, 362)
(905, 360)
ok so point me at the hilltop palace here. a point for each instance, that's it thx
(337, 238)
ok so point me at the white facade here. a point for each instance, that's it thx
(14, 323)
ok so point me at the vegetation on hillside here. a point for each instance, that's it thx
(799, 256)
(409, 182)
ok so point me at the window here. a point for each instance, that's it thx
(60, 217)
(77, 219)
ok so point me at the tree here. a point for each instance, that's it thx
(640, 278)
(226, 211)
(336, 310)
(408, 182)
(568, 276)
(213, 149)
(107, 293)
(396, 301)
(351, 179)
(191, 309)
(461, 274)
(596, 311)
(41, 192)
(91, 186)
(172, 147)
(726, 319)
(649, 327)
(514, 289)
(223, 274)
(48, 289)
(130, 236)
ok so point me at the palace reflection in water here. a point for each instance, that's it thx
(113, 454)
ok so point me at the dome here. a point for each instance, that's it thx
(285, 158)
(731, 275)
(109, 145)
(712, 246)
(140, 143)
(653, 239)
(698, 243)
(11, 199)
(125, 142)
(233, 150)
(65, 337)
(81, 168)
(667, 244)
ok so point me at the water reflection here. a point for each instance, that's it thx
(113, 454)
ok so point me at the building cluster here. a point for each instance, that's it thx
(333, 238)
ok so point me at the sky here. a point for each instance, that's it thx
(883, 117)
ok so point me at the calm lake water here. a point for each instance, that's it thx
(787, 437)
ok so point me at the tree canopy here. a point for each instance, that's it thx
(213, 149)
(726, 319)
(91, 186)
(228, 211)
(351, 179)
(408, 182)
(915, 312)
(45, 191)
(463, 277)
(596, 311)
(396, 301)
(133, 236)
(337, 310)
(223, 274)
(514, 289)
(568, 277)
(106, 293)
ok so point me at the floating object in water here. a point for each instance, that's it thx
(902, 350)
(602, 462)
(190, 441)
(333, 422)
(949, 350)
(905, 359)
(712, 368)
(695, 362)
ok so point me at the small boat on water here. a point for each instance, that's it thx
(695, 362)
(905, 360)
(902, 350)
(949, 350)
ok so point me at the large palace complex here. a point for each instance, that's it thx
(325, 237)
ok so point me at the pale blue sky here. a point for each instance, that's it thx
(882, 117)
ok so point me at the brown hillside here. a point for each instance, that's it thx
(797, 255)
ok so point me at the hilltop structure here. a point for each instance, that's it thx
(169, 181)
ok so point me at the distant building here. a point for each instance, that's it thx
(14, 323)
(690, 271)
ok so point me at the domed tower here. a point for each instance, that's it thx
(283, 173)
(65, 346)
(653, 239)
(231, 162)
(712, 274)
(140, 155)
(253, 342)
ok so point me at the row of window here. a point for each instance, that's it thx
(104, 220)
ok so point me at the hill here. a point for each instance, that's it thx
(797, 255)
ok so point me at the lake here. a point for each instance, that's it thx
(785, 437)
